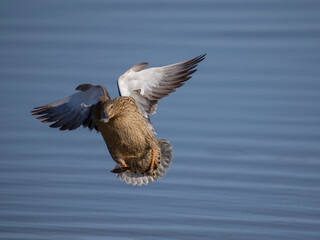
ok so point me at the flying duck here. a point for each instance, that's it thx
(124, 121)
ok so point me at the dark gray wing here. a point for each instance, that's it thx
(71, 112)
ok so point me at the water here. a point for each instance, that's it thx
(245, 129)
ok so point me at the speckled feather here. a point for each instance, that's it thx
(128, 131)
(126, 134)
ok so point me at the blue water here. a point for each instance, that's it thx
(245, 129)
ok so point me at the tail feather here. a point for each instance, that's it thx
(138, 178)
(166, 157)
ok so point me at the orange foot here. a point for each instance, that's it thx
(153, 160)
(120, 170)
(124, 168)
(123, 163)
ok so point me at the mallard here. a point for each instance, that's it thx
(124, 121)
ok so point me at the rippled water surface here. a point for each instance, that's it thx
(245, 129)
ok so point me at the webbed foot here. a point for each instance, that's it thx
(120, 169)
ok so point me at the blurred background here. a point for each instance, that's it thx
(245, 129)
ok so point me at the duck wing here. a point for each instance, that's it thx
(147, 86)
(71, 112)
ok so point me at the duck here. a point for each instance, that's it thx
(124, 122)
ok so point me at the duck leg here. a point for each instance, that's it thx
(124, 167)
(123, 163)
(153, 160)
(120, 169)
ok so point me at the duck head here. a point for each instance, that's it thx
(107, 111)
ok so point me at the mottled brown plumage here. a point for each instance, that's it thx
(124, 122)
(126, 134)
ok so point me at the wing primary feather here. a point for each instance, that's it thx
(71, 112)
(54, 114)
(71, 123)
(149, 85)
(76, 122)
(61, 123)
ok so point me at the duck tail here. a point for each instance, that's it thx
(166, 157)
(139, 179)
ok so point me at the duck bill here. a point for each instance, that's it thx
(104, 118)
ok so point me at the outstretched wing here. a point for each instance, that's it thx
(71, 112)
(147, 86)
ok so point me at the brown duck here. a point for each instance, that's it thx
(124, 121)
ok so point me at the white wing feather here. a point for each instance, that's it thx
(147, 86)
